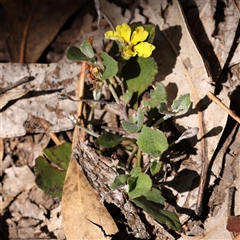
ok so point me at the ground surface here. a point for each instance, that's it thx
(44, 31)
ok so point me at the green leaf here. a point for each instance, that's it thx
(75, 54)
(126, 97)
(129, 127)
(155, 167)
(135, 171)
(182, 103)
(152, 141)
(59, 155)
(132, 127)
(87, 49)
(140, 119)
(154, 195)
(139, 185)
(155, 210)
(151, 31)
(111, 66)
(163, 109)
(109, 140)
(158, 95)
(138, 74)
(50, 173)
(119, 180)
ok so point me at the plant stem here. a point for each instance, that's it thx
(171, 144)
(139, 158)
(87, 130)
(112, 90)
(158, 122)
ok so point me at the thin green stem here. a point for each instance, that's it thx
(112, 90)
(158, 122)
(147, 167)
(139, 158)
(88, 131)
(171, 144)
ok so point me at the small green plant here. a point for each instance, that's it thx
(129, 71)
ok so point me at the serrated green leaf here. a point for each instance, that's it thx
(75, 54)
(155, 167)
(155, 210)
(129, 127)
(109, 140)
(111, 66)
(50, 178)
(154, 195)
(182, 103)
(139, 185)
(119, 181)
(158, 95)
(152, 141)
(138, 73)
(87, 49)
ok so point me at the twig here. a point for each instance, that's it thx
(55, 139)
(76, 133)
(223, 106)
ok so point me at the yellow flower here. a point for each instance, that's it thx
(133, 44)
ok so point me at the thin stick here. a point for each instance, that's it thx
(223, 106)
(76, 134)
(55, 139)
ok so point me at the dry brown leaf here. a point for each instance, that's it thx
(84, 216)
(183, 71)
(44, 19)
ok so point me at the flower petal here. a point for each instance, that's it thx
(139, 35)
(114, 36)
(128, 52)
(124, 31)
(144, 49)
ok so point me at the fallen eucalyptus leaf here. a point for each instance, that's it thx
(84, 216)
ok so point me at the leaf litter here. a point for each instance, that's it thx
(21, 208)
